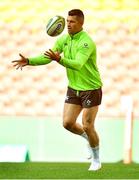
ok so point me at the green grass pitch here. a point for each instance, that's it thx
(38, 170)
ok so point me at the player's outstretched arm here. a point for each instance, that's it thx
(19, 64)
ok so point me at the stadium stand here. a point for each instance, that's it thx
(40, 91)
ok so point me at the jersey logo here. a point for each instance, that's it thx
(88, 102)
(85, 45)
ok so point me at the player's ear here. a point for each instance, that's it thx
(80, 20)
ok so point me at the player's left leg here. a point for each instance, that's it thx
(89, 115)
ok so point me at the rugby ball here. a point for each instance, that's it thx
(55, 26)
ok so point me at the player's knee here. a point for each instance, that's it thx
(87, 127)
(67, 125)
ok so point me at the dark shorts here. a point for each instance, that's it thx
(86, 99)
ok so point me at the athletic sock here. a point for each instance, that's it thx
(84, 135)
(95, 151)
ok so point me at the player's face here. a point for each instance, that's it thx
(74, 24)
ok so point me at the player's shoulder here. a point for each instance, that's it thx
(87, 38)
(86, 35)
(62, 38)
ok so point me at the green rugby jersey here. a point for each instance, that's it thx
(79, 59)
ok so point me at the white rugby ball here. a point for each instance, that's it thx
(55, 26)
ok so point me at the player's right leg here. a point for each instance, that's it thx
(72, 109)
(70, 114)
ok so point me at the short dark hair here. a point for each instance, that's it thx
(76, 12)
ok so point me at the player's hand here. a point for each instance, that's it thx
(55, 56)
(19, 64)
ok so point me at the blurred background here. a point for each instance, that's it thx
(31, 101)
